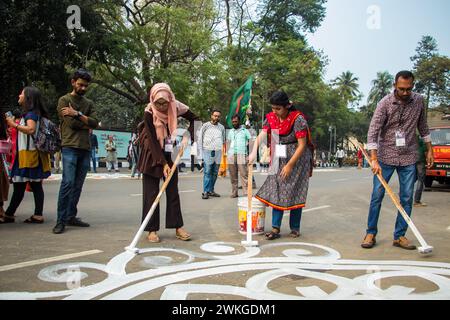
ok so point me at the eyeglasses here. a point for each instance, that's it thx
(405, 89)
(160, 104)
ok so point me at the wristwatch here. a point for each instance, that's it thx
(79, 114)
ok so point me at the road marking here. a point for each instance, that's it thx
(448, 229)
(338, 180)
(312, 209)
(140, 194)
(46, 260)
(316, 208)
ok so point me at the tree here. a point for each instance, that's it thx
(37, 47)
(282, 20)
(431, 72)
(155, 41)
(426, 49)
(381, 87)
(433, 79)
(347, 86)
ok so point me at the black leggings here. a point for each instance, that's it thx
(17, 197)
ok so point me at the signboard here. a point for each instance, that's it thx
(120, 138)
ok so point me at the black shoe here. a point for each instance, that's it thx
(205, 196)
(59, 228)
(76, 222)
(213, 194)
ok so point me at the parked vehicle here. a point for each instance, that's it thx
(440, 140)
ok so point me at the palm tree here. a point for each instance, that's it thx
(381, 86)
(347, 86)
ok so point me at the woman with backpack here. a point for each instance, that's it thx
(30, 165)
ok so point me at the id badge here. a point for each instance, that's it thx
(280, 151)
(168, 145)
(400, 140)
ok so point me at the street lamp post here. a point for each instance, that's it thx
(330, 130)
(335, 139)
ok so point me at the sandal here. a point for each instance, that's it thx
(153, 237)
(32, 219)
(184, 236)
(274, 234)
(7, 219)
(294, 234)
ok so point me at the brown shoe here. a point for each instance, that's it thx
(403, 243)
(419, 204)
(369, 241)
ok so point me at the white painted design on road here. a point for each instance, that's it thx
(47, 260)
(339, 180)
(187, 191)
(164, 270)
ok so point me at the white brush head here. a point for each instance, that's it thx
(425, 249)
(249, 243)
(132, 250)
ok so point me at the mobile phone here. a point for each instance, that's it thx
(9, 114)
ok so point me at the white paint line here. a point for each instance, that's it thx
(140, 194)
(448, 229)
(46, 260)
(316, 208)
(338, 180)
(312, 209)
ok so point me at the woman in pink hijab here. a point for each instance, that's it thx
(157, 135)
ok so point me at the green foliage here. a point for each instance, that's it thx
(36, 47)
(431, 72)
(347, 86)
(131, 45)
(283, 20)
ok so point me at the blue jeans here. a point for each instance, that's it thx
(75, 167)
(94, 159)
(211, 160)
(294, 218)
(406, 177)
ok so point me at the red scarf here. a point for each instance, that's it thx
(284, 127)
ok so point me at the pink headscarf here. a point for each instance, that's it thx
(168, 118)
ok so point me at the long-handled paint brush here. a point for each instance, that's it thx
(132, 246)
(424, 248)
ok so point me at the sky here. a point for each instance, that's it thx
(368, 36)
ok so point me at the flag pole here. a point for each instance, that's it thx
(249, 242)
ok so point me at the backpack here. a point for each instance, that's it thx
(47, 137)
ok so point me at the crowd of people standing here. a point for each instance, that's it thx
(285, 146)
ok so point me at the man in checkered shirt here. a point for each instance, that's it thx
(392, 143)
(212, 143)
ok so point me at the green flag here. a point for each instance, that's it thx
(240, 102)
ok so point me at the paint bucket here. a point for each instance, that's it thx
(258, 215)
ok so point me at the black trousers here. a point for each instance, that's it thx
(151, 188)
(19, 192)
(194, 165)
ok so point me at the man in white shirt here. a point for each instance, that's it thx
(340, 154)
(212, 143)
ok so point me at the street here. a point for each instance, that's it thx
(325, 262)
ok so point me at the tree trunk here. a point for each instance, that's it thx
(227, 20)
